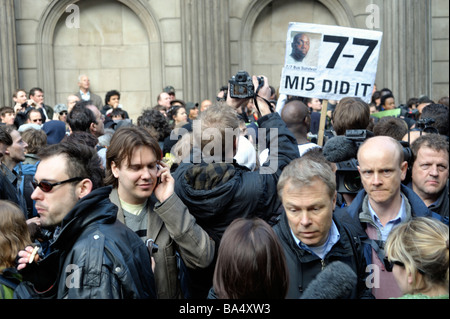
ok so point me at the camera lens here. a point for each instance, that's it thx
(352, 182)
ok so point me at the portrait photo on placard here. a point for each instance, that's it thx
(303, 48)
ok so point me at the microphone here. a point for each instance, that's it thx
(335, 281)
(339, 149)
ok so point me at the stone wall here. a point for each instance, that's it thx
(140, 46)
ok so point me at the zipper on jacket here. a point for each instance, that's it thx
(323, 263)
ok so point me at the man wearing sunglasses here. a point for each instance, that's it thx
(92, 255)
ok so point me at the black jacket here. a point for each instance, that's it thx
(441, 206)
(303, 266)
(218, 193)
(351, 215)
(94, 256)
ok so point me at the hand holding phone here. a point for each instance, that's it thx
(165, 184)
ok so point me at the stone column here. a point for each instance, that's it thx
(9, 74)
(406, 48)
(205, 48)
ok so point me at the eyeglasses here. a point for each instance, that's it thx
(37, 120)
(47, 186)
(389, 265)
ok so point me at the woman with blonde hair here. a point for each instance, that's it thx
(417, 254)
(14, 236)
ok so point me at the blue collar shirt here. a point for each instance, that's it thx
(385, 230)
(85, 97)
(323, 250)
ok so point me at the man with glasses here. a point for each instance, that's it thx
(34, 116)
(92, 254)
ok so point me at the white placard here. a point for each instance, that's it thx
(330, 62)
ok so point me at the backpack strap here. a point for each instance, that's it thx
(377, 246)
(6, 283)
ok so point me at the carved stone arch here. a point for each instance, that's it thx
(340, 10)
(45, 36)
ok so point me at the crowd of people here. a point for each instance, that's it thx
(231, 199)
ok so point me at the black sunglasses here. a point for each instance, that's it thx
(388, 264)
(47, 186)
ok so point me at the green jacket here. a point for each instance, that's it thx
(9, 279)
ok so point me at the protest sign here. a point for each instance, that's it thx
(330, 62)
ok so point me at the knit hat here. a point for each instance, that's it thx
(27, 126)
(60, 108)
(169, 89)
(55, 130)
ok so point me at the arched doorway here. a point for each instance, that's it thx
(115, 44)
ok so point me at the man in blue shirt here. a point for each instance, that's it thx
(309, 234)
(383, 204)
(85, 93)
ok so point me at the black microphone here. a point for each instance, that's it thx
(339, 149)
(335, 281)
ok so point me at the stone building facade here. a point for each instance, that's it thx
(140, 46)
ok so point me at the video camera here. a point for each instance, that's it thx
(348, 180)
(405, 112)
(425, 125)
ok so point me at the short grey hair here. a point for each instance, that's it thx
(81, 76)
(223, 120)
(304, 171)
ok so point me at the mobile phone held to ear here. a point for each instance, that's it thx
(158, 180)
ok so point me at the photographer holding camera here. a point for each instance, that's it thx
(214, 187)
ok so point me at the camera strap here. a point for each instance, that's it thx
(261, 83)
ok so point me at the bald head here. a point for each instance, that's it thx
(296, 113)
(296, 116)
(381, 144)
